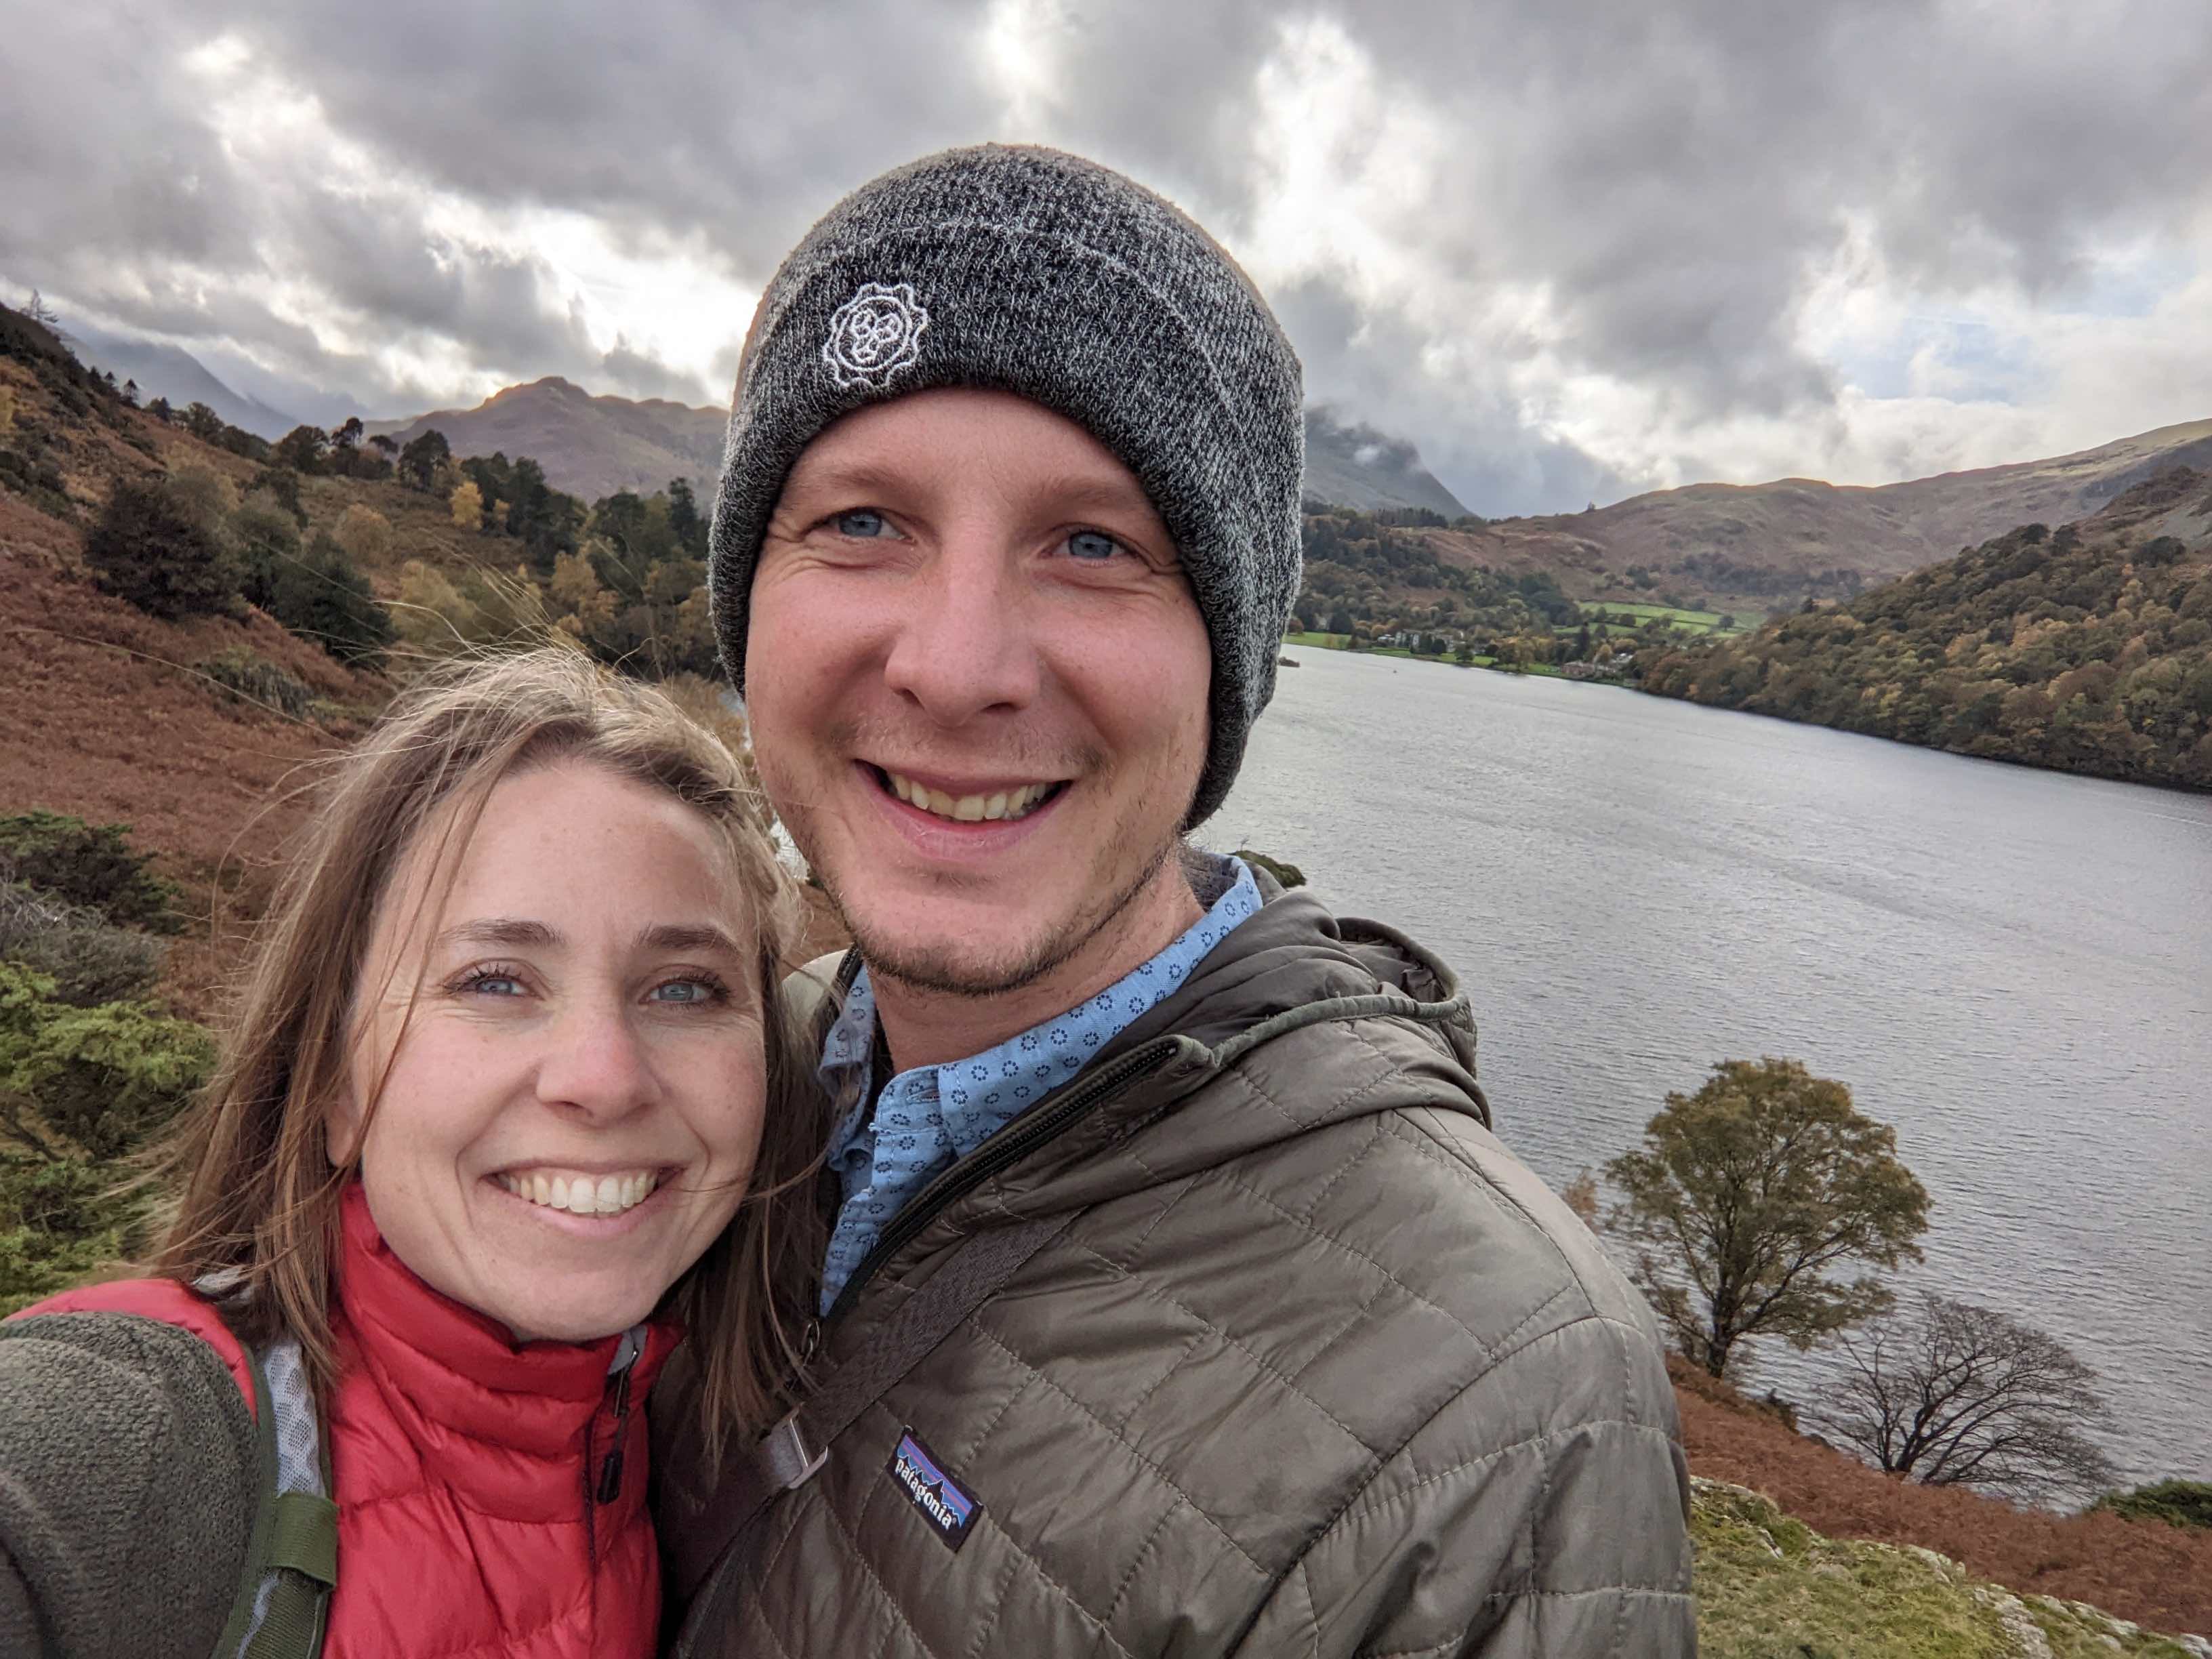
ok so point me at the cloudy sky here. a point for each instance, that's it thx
(1573, 251)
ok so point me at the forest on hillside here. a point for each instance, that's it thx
(2085, 649)
(1376, 569)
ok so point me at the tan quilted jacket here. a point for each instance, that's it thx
(1318, 1369)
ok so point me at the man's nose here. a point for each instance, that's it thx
(965, 641)
(597, 1064)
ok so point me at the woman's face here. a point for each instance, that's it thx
(569, 1114)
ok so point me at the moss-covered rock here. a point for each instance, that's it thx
(1771, 1588)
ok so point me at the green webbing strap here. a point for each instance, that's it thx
(265, 1437)
(305, 1536)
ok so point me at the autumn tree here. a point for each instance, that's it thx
(1746, 1197)
(153, 549)
(1953, 1394)
(304, 449)
(365, 533)
(422, 458)
(467, 504)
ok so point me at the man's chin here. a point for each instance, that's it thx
(959, 966)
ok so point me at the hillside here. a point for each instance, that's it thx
(589, 445)
(170, 371)
(2085, 649)
(1356, 466)
(1754, 548)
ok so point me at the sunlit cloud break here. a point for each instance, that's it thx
(1570, 256)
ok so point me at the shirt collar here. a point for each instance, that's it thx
(847, 1063)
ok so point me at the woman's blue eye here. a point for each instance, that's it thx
(861, 523)
(1092, 544)
(684, 990)
(495, 985)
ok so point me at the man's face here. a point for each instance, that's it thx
(977, 682)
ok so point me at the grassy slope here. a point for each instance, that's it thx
(1768, 1584)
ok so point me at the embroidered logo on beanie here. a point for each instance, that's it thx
(874, 334)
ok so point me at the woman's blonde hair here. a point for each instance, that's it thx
(259, 1197)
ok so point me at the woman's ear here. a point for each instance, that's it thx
(341, 1125)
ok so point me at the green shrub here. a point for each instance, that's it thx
(326, 598)
(87, 864)
(258, 680)
(90, 960)
(151, 549)
(2177, 1503)
(79, 1089)
(1288, 874)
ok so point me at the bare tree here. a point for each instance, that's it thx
(1953, 1394)
(43, 314)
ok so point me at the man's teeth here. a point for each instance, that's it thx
(970, 809)
(581, 1194)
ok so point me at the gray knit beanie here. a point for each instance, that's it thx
(1039, 273)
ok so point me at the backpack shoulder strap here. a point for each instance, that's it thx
(291, 1559)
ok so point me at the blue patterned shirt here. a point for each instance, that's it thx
(929, 1118)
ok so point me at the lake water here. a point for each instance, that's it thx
(2012, 967)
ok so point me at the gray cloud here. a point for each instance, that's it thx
(1653, 187)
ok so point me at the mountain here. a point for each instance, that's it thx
(2085, 649)
(1752, 547)
(170, 371)
(589, 445)
(1358, 467)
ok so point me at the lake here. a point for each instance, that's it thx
(2012, 967)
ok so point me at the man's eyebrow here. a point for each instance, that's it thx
(500, 930)
(699, 936)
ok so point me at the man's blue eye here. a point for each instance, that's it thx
(1092, 544)
(861, 523)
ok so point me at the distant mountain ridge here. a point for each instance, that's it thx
(593, 445)
(589, 445)
(1757, 546)
(170, 371)
(1745, 547)
(1356, 466)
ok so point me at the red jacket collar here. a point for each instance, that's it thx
(506, 1420)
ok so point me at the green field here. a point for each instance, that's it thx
(1690, 622)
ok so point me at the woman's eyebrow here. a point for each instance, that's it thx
(500, 930)
(698, 936)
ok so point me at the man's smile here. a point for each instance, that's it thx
(981, 803)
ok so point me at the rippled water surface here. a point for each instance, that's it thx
(2013, 967)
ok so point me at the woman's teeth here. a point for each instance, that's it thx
(972, 809)
(582, 1195)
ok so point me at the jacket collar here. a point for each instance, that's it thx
(1292, 967)
(502, 1423)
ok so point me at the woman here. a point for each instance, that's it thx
(502, 1113)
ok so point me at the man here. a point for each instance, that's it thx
(1306, 1363)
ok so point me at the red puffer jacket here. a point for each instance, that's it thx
(467, 1470)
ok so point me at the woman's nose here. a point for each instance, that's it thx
(597, 1064)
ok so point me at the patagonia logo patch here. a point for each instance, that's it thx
(949, 1510)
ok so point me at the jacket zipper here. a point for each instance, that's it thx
(607, 1485)
(1024, 1136)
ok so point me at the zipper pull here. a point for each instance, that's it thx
(618, 1380)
